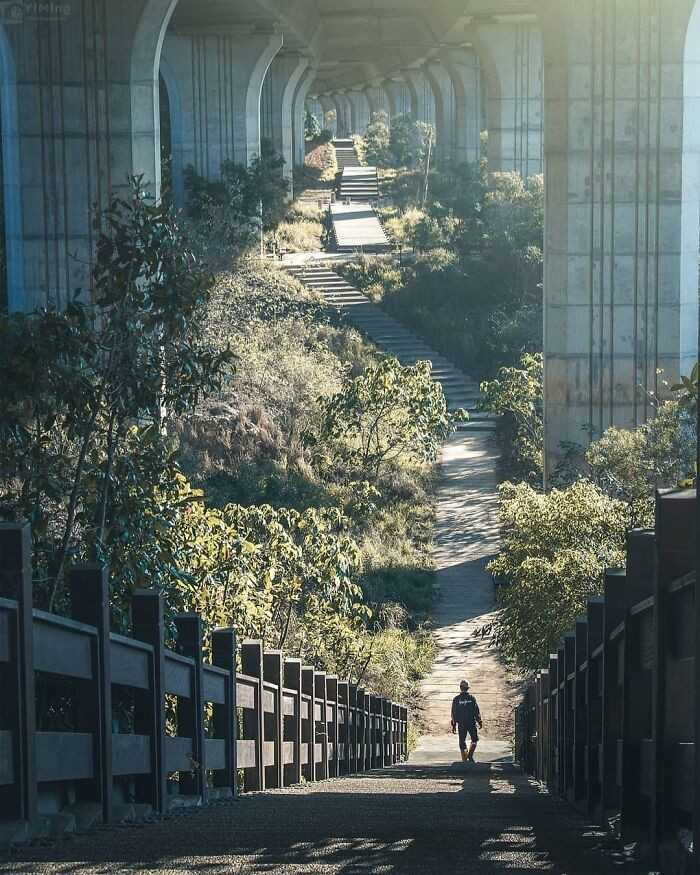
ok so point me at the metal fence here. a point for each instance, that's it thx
(151, 724)
(609, 723)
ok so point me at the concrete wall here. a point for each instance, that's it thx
(621, 242)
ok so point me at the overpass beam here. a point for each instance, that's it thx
(622, 210)
(511, 58)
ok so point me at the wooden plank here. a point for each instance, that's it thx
(268, 753)
(63, 648)
(5, 636)
(216, 753)
(178, 753)
(7, 757)
(130, 664)
(131, 754)
(245, 694)
(245, 750)
(214, 685)
(64, 756)
(178, 675)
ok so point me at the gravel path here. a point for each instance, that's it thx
(466, 538)
(419, 818)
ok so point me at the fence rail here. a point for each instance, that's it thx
(609, 724)
(152, 726)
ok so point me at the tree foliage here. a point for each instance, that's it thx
(377, 140)
(387, 413)
(86, 393)
(515, 396)
(554, 550)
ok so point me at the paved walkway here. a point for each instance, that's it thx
(415, 819)
(466, 538)
(356, 226)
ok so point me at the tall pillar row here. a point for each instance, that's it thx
(361, 110)
(377, 99)
(328, 105)
(299, 114)
(464, 69)
(347, 110)
(622, 168)
(279, 91)
(421, 95)
(443, 87)
(80, 113)
(510, 54)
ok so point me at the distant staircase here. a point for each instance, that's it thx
(345, 154)
(356, 228)
(394, 338)
(359, 184)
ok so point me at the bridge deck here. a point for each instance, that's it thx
(424, 817)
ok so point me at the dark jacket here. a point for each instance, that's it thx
(465, 710)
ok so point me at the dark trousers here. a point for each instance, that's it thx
(463, 729)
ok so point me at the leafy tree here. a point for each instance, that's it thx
(387, 413)
(554, 550)
(312, 127)
(377, 140)
(408, 141)
(87, 393)
(516, 398)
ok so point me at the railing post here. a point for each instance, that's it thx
(332, 724)
(292, 681)
(223, 655)
(147, 621)
(254, 724)
(320, 688)
(273, 673)
(344, 700)
(89, 589)
(190, 716)
(353, 729)
(16, 583)
(308, 688)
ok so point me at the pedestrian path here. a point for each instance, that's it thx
(466, 531)
(356, 227)
(345, 153)
(422, 818)
(360, 184)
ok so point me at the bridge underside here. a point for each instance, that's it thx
(600, 96)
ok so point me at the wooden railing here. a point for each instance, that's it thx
(610, 722)
(153, 725)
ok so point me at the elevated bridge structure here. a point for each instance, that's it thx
(600, 96)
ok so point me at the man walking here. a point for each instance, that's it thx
(465, 716)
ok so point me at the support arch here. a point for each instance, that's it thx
(144, 90)
(176, 132)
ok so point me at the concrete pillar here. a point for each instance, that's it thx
(348, 112)
(511, 58)
(621, 238)
(421, 95)
(377, 99)
(398, 96)
(299, 106)
(219, 78)
(465, 71)
(361, 110)
(342, 115)
(281, 82)
(443, 89)
(80, 112)
(328, 106)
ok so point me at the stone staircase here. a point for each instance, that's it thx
(345, 154)
(395, 339)
(356, 228)
(359, 185)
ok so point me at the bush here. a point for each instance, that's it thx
(554, 550)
